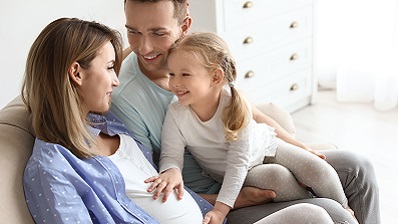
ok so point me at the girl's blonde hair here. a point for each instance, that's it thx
(48, 92)
(213, 53)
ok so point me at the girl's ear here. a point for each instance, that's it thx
(217, 76)
(74, 74)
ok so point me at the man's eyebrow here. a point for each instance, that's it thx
(151, 29)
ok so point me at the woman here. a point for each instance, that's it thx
(85, 168)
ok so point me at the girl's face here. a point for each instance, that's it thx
(190, 81)
(96, 82)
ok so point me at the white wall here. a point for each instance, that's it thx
(21, 21)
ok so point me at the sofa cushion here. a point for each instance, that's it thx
(16, 143)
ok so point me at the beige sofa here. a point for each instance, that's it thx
(16, 143)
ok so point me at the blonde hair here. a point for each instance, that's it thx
(48, 92)
(213, 53)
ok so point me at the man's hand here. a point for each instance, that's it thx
(165, 183)
(250, 196)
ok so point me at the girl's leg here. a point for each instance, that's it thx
(299, 214)
(311, 171)
(279, 179)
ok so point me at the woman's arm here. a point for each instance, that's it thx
(53, 198)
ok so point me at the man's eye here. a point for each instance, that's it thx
(133, 31)
(159, 34)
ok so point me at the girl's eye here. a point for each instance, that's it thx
(185, 74)
(171, 74)
(111, 68)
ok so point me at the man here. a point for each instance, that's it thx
(142, 98)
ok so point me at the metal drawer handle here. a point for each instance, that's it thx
(293, 25)
(249, 74)
(294, 87)
(248, 40)
(248, 5)
(293, 57)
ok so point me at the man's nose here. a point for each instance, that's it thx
(145, 46)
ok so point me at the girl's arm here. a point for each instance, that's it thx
(171, 161)
(218, 214)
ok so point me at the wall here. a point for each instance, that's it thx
(357, 32)
(21, 21)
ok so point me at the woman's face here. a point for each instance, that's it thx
(98, 80)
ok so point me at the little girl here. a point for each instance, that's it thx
(214, 122)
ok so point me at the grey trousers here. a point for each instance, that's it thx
(359, 182)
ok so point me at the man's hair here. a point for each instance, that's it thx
(180, 7)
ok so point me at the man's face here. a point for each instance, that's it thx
(152, 30)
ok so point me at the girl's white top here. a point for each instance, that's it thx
(225, 161)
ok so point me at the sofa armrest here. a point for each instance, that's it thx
(285, 119)
(16, 141)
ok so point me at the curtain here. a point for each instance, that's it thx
(357, 48)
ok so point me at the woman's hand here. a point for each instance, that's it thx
(165, 183)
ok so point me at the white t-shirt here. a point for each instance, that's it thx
(226, 162)
(135, 168)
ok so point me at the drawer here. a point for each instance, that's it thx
(239, 13)
(283, 92)
(259, 38)
(257, 72)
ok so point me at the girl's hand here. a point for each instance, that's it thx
(213, 217)
(165, 183)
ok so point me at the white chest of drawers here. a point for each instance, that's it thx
(272, 42)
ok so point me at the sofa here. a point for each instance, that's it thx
(16, 143)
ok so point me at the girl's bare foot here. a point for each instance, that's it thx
(250, 196)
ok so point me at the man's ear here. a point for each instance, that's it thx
(74, 73)
(186, 25)
(217, 76)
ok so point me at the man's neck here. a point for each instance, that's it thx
(160, 77)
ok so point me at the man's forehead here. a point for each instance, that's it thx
(153, 16)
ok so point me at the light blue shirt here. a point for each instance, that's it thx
(61, 188)
(140, 104)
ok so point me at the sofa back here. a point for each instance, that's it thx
(16, 144)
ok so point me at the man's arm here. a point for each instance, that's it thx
(281, 133)
(126, 52)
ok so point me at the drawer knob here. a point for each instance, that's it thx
(249, 74)
(248, 5)
(293, 25)
(293, 57)
(294, 87)
(248, 40)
